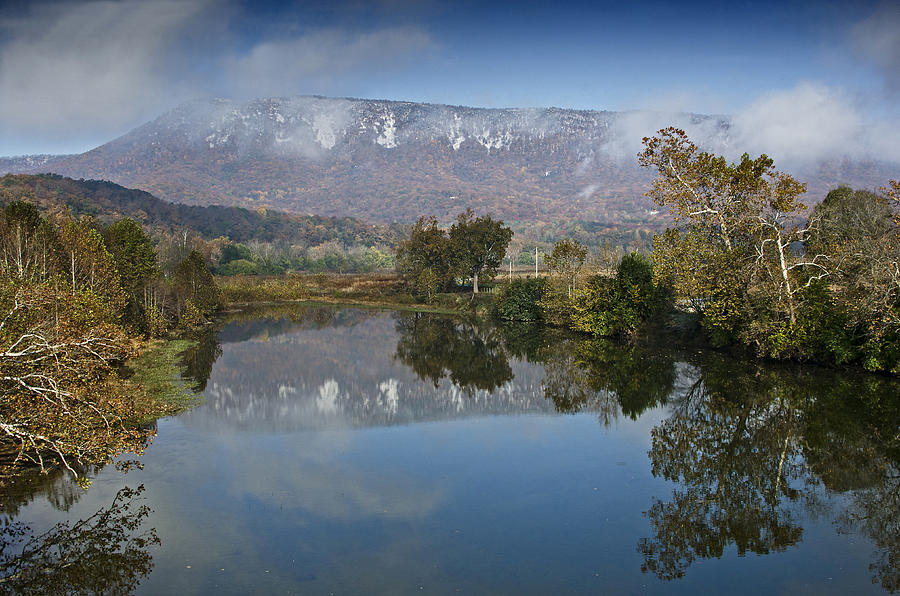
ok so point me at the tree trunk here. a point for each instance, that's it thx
(787, 281)
(475, 283)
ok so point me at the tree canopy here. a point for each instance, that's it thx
(736, 255)
(478, 245)
(68, 301)
(432, 258)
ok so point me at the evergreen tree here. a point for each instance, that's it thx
(135, 259)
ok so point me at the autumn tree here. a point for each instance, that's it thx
(195, 288)
(60, 398)
(88, 265)
(567, 259)
(857, 230)
(730, 253)
(62, 301)
(28, 242)
(478, 245)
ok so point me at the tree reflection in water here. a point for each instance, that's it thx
(735, 455)
(469, 353)
(103, 554)
(852, 445)
(197, 361)
(748, 445)
(579, 375)
(605, 377)
(21, 485)
(752, 448)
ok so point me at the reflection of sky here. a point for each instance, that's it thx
(503, 504)
(343, 377)
(518, 503)
(387, 504)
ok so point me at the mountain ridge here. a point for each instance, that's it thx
(385, 160)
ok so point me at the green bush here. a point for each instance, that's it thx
(821, 332)
(824, 332)
(520, 299)
(191, 316)
(882, 354)
(619, 306)
(155, 322)
(238, 267)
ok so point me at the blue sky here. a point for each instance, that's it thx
(76, 74)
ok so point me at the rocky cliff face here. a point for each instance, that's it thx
(394, 161)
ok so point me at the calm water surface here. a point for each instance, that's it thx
(356, 451)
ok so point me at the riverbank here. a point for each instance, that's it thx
(157, 371)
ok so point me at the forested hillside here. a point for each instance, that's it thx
(108, 202)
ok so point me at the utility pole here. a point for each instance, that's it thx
(535, 261)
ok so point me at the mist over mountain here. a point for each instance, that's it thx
(394, 161)
(28, 163)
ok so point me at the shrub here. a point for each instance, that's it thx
(238, 267)
(520, 299)
(191, 317)
(619, 306)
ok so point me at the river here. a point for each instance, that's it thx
(356, 451)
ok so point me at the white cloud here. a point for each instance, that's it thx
(89, 71)
(76, 67)
(629, 128)
(798, 127)
(806, 123)
(294, 65)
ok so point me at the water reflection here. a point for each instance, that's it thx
(319, 368)
(323, 368)
(606, 377)
(744, 458)
(734, 456)
(198, 360)
(469, 353)
(752, 450)
(24, 485)
(107, 553)
(750, 447)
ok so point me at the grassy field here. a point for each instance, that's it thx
(371, 289)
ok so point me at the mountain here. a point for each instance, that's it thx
(26, 163)
(109, 202)
(394, 161)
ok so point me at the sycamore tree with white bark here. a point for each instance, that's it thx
(740, 254)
